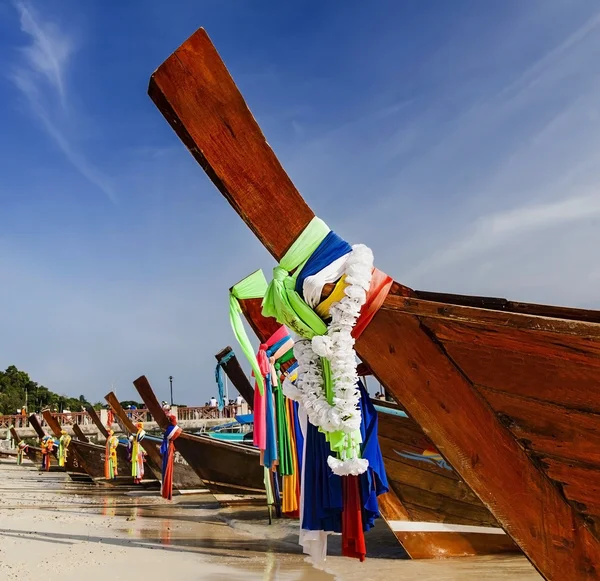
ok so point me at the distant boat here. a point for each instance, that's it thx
(92, 456)
(73, 468)
(224, 467)
(184, 477)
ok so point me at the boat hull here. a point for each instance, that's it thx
(430, 510)
(224, 467)
(184, 476)
(91, 457)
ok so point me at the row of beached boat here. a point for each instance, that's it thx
(505, 395)
(430, 510)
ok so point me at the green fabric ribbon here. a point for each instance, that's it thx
(281, 299)
(284, 304)
(286, 464)
(252, 287)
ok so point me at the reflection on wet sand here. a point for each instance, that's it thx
(48, 524)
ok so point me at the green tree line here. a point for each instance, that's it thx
(16, 387)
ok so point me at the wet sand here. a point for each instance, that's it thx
(52, 529)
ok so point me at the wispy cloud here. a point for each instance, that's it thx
(40, 75)
(490, 231)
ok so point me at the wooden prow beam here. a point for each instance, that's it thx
(236, 375)
(14, 434)
(96, 419)
(52, 422)
(79, 433)
(35, 424)
(147, 394)
(130, 427)
(121, 414)
(196, 94)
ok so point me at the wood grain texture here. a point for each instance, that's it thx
(196, 94)
(250, 175)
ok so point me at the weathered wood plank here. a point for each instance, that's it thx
(554, 346)
(548, 429)
(500, 304)
(541, 378)
(79, 434)
(581, 483)
(488, 317)
(416, 474)
(190, 84)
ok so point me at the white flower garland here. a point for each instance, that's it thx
(338, 347)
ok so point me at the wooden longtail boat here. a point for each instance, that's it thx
(32, 452)
(95, 452)
(73, 466)
(432, 513)
(236, 375)
(35, 424)
(508, 392)
(184, 477)
(224, 467)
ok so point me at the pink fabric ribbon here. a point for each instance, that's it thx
(260, 401)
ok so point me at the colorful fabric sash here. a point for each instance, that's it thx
(324, 265)
(379, 289)
(47, 445)
(111, 469)
(167, 450)
(137, 455)
(22, 449)
(260, 398)
(219, 377)
(63, 447)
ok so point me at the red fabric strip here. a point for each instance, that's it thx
(353, 537)
(381, 284)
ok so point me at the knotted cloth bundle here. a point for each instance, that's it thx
(167, 449)
(63, 447)
(327, 378)
(111, 468)
(47, 445)
(22, 448)
(137, 454)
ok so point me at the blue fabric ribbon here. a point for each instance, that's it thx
(332, 248)
(274, 348)
(374, 481)
(219, 377)
(270, 454)
(323, 498)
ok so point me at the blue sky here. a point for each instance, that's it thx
(460, 140)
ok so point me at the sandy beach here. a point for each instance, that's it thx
(53, 529)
